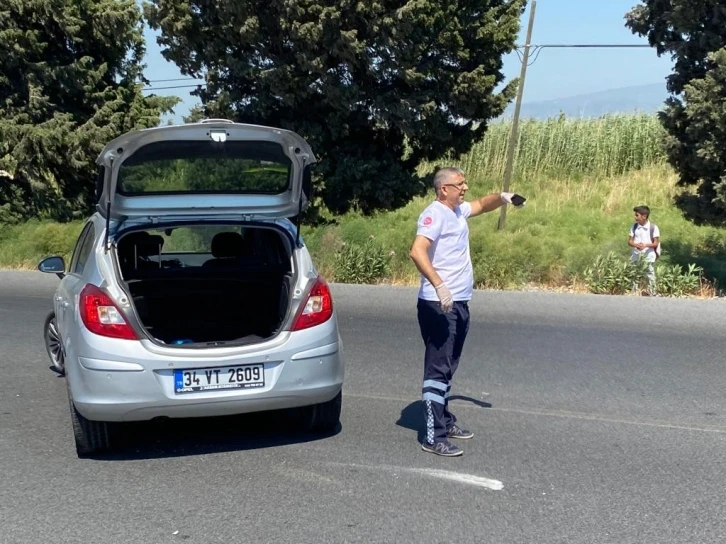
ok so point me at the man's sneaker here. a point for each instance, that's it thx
(458, 432)
(446, 449)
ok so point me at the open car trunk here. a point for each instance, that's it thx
(238, 291)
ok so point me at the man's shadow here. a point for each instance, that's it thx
(412, 416)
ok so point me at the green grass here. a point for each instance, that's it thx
(22, 246)
(581, 177)
(562, 229)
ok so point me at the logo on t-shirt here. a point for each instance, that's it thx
(427, 221)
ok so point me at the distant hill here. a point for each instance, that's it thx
(641, 98)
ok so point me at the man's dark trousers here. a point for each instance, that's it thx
(443, 335)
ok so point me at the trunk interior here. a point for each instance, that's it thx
(236, 291)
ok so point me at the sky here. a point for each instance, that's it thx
(556, 73)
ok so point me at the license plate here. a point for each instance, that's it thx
(219, 379)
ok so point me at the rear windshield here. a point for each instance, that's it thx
(196, 246)
(196, 239)
(205, 167)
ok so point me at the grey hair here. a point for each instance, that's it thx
(444, 174)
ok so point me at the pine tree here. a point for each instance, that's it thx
(375, 86)
(70, 80)
(693, 32)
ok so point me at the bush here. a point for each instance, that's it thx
(712, 244)
(611, 275)
(361, 263)
(25, 244)
(672, 281)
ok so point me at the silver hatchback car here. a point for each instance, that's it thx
(190, 291)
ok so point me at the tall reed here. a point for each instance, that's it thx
(567, 147)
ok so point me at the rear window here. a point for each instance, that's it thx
(205, 167)
(194, 239)
(198, 246)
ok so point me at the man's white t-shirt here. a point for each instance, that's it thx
(449, 252)
(641, 234)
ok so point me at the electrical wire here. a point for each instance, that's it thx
(584, 45)
(174, 87)
(175, 79)
(535, 50)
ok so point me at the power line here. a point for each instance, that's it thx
(582, 45)
(175, 79)
(173, 87)
(535, 49)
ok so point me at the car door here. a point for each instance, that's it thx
(72, 283)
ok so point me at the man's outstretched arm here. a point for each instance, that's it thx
(489, 203)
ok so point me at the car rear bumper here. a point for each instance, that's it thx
(137, 388)
(145, 395)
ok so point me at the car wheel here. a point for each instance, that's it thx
(90, 436)
(323, 417)
(53, 344)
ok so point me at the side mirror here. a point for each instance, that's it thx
(53, 265)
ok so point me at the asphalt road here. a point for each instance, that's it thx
(597, 419)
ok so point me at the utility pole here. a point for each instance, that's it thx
(512, 145)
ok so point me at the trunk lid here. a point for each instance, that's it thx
(206, 169)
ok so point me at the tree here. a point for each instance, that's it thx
(196, 114)
(375, 86)
(693, 32)
(70, 80)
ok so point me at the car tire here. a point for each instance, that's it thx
(323, 417)
(91, 437)
(53, 344)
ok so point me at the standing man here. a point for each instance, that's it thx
(440, 252)
(645, 241)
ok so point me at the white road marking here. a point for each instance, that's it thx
(458, 477)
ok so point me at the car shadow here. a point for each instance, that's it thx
(412, 416)
(201, 436)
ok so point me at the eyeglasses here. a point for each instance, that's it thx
(457, 185)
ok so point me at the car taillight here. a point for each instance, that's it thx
(101, 316)
(318, 308)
